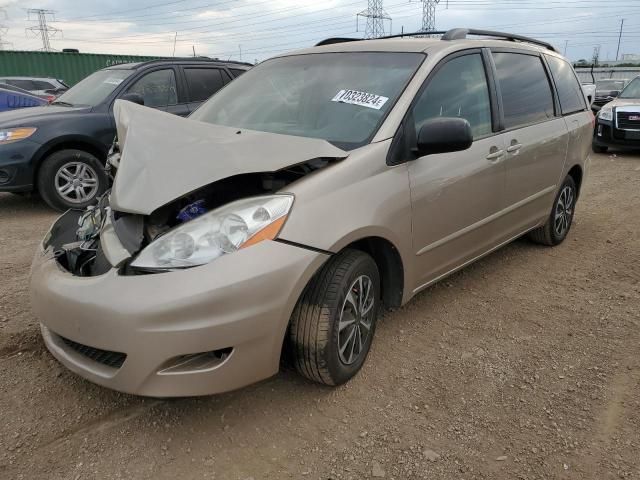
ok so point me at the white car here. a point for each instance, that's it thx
(45, 87)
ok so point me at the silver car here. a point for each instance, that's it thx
(320, 187)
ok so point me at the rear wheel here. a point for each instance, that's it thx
(333, 324)
(71, 179)
(557, 226)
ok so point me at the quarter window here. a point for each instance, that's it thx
(42, 85)
(203, 82)
(458, 89)
(570, 92)
(525, 88)
(158, 88)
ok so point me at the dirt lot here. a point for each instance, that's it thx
(525, 365)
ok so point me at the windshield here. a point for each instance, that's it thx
(610, 84)
(339, 97)
(95, 88)
(632, 90)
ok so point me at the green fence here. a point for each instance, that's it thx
(70, 67)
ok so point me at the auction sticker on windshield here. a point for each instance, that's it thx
(364, 99)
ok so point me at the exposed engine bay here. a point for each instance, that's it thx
(76, 236)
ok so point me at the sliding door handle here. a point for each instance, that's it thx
(514, 148)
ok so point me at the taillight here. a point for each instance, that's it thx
(593, 119)
(51, 98)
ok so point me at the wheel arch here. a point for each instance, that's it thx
(576, 173)
(390, 266)
(85, 144)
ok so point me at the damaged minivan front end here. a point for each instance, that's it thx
(113, 285)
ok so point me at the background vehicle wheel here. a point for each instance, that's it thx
(599, 148)
(555, 230)
(71, 179)
(333, 324)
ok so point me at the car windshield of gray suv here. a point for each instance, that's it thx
(94, 89)
(632, 90)
(338, 97)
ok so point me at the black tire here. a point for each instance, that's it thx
(549, 234)
(314, 335)
(47, 181)
(599, 148)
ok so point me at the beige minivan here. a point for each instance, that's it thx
(316, 189)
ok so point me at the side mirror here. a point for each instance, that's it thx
(133, 97)
(443, 135)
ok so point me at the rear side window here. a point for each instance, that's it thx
(569, 90)
(526, 92)
(24, 84)
(203, 82)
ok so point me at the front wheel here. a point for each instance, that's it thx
(334, 321)
(71, 179)
(557, 226)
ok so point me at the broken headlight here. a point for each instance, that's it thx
(219, 232)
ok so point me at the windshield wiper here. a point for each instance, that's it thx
(66, 104)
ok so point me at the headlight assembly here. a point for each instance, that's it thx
(606, 113)
(222, 231)
(10, 135)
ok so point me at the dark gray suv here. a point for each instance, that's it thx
(59, 150)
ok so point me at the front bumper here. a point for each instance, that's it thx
(241, 301)
(607, 135)
(17, 166)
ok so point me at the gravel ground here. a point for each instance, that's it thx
(524, 365)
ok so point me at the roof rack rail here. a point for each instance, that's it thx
(332, 40)
(461, 33)
(452, 34)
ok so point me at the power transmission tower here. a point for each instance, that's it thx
(42, 29)
(375, 15)
(596, 56)
(3, 29)
(429, 15)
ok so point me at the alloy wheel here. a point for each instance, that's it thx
(76, 182)
(356, 320)
(564, 211)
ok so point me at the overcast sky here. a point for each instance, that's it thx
(258, 29)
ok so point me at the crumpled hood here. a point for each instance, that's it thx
(165, 156)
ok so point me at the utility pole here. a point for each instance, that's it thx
(619, 38)
(375, 15)
(42, 29)
(429, 15)
(566, 44)
(175, 39)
